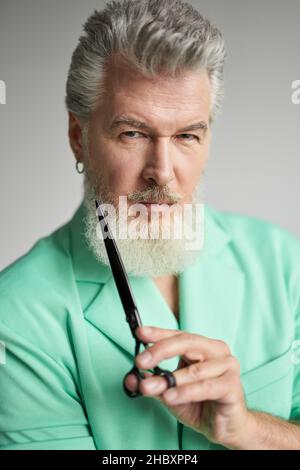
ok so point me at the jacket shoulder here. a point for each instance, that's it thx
(36, 289)
(40, 264)
(253, 229)
(267, 245)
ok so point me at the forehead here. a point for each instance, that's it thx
(186, 96)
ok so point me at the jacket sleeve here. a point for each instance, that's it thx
(295, 357)
(40, 407)
(295, 412)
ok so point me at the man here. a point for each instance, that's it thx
(144, 87)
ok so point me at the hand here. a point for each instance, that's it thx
(210, 397)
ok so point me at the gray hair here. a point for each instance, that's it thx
(153, 36)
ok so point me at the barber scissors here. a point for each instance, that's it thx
(128, 302)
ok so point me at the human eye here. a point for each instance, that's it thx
(131, 135)
(188, 137)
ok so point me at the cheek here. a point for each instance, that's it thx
(106, 158)
(122, 181)
(191, 167)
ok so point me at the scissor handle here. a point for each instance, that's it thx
(139, 375)
(169, 376)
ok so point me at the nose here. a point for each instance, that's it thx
(159, 166)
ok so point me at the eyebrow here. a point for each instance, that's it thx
(122, 119)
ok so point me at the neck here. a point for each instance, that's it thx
(168, 286)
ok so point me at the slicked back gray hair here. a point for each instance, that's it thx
(153, 36)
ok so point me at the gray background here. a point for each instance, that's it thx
(255, 158)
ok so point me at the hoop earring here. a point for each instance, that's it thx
(78, 168)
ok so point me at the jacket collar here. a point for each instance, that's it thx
(86, 267)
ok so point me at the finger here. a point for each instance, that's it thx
(153, 331)
(190, 346)
(132, 383)
(199, 371)
(153, 334)
(195, 372)
(224, 389)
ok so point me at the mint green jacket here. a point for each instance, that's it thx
(68, 345)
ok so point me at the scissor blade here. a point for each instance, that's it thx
(118, 270)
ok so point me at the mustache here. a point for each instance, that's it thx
(155, 194)
(98, 188)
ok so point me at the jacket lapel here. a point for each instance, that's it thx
(211, 293)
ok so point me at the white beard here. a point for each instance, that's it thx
(142, 257)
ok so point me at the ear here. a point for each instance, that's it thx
(75, 136)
